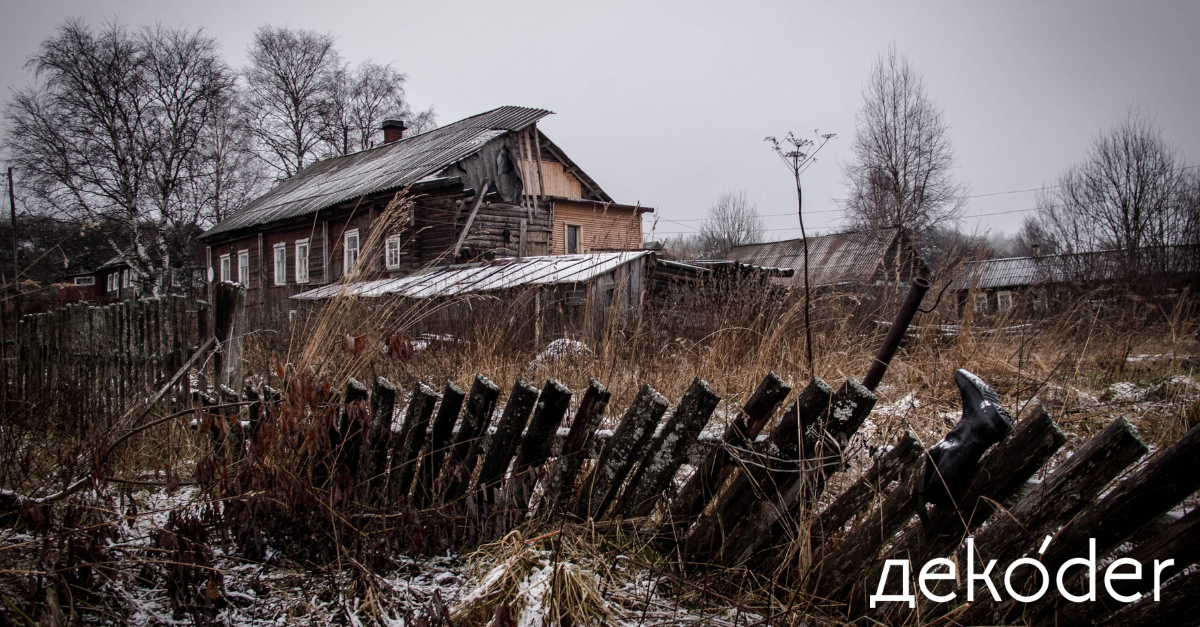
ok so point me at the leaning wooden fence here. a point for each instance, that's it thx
(95, 361)
(752, 498)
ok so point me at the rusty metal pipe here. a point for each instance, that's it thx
(891, 342)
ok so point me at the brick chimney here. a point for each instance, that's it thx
(393, 130)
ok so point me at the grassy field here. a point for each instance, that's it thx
(167, 536)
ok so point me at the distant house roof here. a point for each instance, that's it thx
(390, 166)
(483, 276)
(838, 259)
(1105, 265)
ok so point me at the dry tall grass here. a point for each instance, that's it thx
(1080, 361)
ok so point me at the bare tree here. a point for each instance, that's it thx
(732, 220)
(111, 133)
(361, 99)
(290, 82)
(1130, 193)
(903, 158)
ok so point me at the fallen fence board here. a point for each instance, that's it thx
(621, 452)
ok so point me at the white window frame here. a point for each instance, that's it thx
(244, 267)
(277, 251)
(391, 253)
(981, 303)
(226, 264)
(1001, 297)
(111, 282)
(85, 280)
(125, 278)
(350, 254)
(302, 261)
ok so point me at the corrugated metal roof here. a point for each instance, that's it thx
(838, 259)
(1102, 265)
(1009, 272)
(389, 166)
(483, 276)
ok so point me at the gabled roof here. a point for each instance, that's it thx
(1103, 265)
(483, 276)
(386, 167)
(837, 259)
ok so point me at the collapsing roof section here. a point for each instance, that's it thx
(838, 259)
(390, 166)
(483, 276)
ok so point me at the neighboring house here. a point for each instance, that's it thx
(489, 186)
(110, 283)
(1032, 284)
(856, 258)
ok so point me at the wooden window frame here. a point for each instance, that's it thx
(388, 262)
(302, 261)
(244, 255)
(1001, 296)
(348, 263)
(981, 303)
(578, 239)
(225, 268)
(280, 274)
(85, 281)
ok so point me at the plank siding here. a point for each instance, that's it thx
(601, 228)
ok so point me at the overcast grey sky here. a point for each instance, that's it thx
(667, 104)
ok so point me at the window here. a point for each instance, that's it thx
(572, 240)
(981, 302)
(124, 278)
(280, 264)
(302, 261)
(244, 267)
(576, 296)
(226, 269)
(392, 258)
(1003, 300)
(85, 280)
(110, 282)
(349, 252)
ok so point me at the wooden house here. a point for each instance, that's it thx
(1019, 286)
(492, 185)
(853, 259)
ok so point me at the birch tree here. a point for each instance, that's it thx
(902, 170)
(111, 133)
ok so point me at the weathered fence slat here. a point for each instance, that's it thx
(621, 452)
(900, 458)
(1179, 542)
(552, 405)
(761, 473)
(439, 441)
(557, 491)
(383, 406)
(406, 445)
(471, 432)
(503, 443)
(1162, 483)
(822, 458)
(236, 440)
(667, 451)
(347, 446)
(702, 486)
(1001, 473)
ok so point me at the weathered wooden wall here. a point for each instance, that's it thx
(98, 361)
(602, 228)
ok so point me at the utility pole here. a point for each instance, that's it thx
(12, 206)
